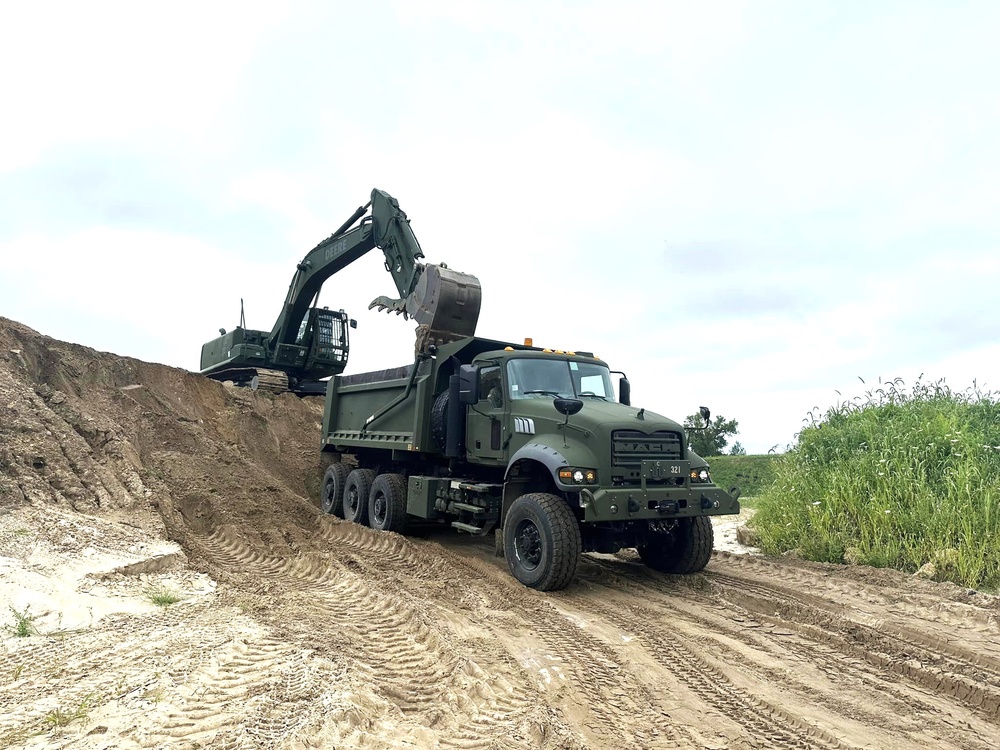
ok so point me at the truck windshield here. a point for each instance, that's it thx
(558, 378)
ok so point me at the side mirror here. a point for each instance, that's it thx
(468, 384)
(567, 406)
(624, 391)
(705, 413)
(354, 323)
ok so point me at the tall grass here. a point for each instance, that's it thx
(899, 478)
(752, 474)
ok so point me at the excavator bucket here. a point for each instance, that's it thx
(445, 303)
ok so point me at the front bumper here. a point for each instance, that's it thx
(633, 503)
(656, 498)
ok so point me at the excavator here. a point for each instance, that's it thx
(309, 343)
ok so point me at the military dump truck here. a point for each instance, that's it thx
(528, 443)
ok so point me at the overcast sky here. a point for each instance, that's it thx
(746, 205)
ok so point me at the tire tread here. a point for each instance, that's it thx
(567, 543)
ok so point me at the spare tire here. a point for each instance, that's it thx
(439, 421)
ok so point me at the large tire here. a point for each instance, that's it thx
(387, 503)
(331, 499)
(356, 490)
(687, 549)
(439, 420)
(541, 541)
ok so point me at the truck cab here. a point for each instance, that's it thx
(556, 414)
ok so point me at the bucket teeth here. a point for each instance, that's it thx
(445, 304)
(397, 306)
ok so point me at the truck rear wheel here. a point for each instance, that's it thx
(687, 549)
(387, 503)
(356, 490)
(541, 541)
(331, 498)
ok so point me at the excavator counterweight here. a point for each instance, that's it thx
(308, 343)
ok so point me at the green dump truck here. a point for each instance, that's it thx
(527, 443)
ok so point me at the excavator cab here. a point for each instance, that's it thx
(321, 346)
(330, 340)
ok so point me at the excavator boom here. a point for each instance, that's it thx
(307, 344)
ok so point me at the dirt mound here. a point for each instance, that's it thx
(177, 587)
(94, 431)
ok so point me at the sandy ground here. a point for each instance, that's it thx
(121, 481)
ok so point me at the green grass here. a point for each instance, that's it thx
(899, 479)
(753, 502)
(24, 623)
(752, 474)
(58, 718)
(162, 596)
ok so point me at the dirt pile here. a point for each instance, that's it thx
(125, 486)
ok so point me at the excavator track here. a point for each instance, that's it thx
(269, 381)
(254, 378)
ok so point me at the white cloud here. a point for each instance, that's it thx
(109, 71)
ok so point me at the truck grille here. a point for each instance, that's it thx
(630, 447)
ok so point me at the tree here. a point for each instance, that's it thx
(711, 438)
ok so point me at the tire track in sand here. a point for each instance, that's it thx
(693, 601)
(394, 648)
(762, 722)
(919, 659)
(618, 710)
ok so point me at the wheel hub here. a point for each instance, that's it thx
(328, 497)
(379, 508)
(528, 544)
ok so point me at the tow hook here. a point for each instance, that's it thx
(667, 507)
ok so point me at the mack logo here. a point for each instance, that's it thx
(637, 447)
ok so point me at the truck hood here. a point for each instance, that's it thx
(596, 416)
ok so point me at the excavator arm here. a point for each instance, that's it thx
(443, 302)
(307, 344)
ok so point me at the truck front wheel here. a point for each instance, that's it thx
(387, 503)
(332, 498)
(356, 490)
(541, 541)
(686, 549)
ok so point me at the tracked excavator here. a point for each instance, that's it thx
(309, 343)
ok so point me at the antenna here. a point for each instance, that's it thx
(243, 320)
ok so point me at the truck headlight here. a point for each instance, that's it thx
(701, 475)
(570, 475)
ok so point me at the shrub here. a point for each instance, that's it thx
(24, 622)
(896, 479)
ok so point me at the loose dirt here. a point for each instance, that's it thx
(122, 483)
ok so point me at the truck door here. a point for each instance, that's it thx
(486, 435)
